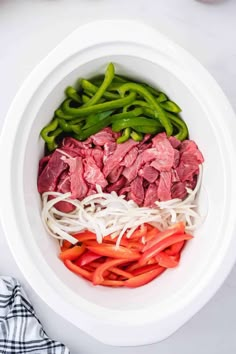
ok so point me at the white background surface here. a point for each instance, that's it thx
(28, 31)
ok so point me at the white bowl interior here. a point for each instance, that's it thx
(198, 252)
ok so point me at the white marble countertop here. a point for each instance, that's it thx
(28, 31)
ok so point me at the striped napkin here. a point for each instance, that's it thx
(20, 330)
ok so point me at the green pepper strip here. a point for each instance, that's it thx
(100, 107)
(151, 89)
(71, 126)
(124, 137)
(73, 94)
(93, 129)
(54, 131)
(134, 113)
(148, 130)
(93, 119)
(176, 121)
(119, 125)
(60, 114)
(159, 112)
(93, 89)
(136, 136)
(180, 125)
(85, 98)
(162, 97)
(109, 75)
(170, 106)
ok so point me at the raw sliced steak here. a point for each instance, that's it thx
(178, 190)
(151, 195)
(164, 187)
(79, 188)
(114, 160)
(149, 173)
(48, 179)
(92, 173)
(137, 191)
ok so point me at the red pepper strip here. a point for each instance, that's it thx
(144, 278)
(145, 269)
(121, 272)
(152, 234)
(111, 251)
(112, 276)
(175, 229)
(88, 268)
(72, 253)
(86, 235)
(166, 261)
(123, 241)
(175, 248)
(86, 258)
(77, 270)
(98, 275)
(138, 233)
(160, 246)
(65, 245)
(150, 227)
(112, 283)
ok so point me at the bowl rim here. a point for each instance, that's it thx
(100, 32)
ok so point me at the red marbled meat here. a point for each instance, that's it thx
(157, 168)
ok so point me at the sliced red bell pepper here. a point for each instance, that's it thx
(98, 275)
(112, 276)
(78, 270)
(139, 232)
(174, 229)
(165, 260)
(86, 235)
(65, 245)
(86, 258)
(145, 269)
(152, 234)
(175, 248)
(112, 283)
(144, 278)
(121, 272)
(110, 250)
(72, 253)
(161, 246)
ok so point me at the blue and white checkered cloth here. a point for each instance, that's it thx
(20, 330)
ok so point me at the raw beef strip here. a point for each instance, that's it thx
(63, 185)
(151, 195)
(165, 153)
(96, 153)
(72, 143)
(108, 150)
(79, 188)
(92, 173)
(130, 158)
(102, 137)
(176, 158)
(48, 179)
(117, 186)
(124, 190)
(114, 160)
(63, 206)
(43, 163)
(145, 156)
(115, 174)
(164, 187)
(178, 190)
(174, 142)
(137, 191)
(149, 173)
